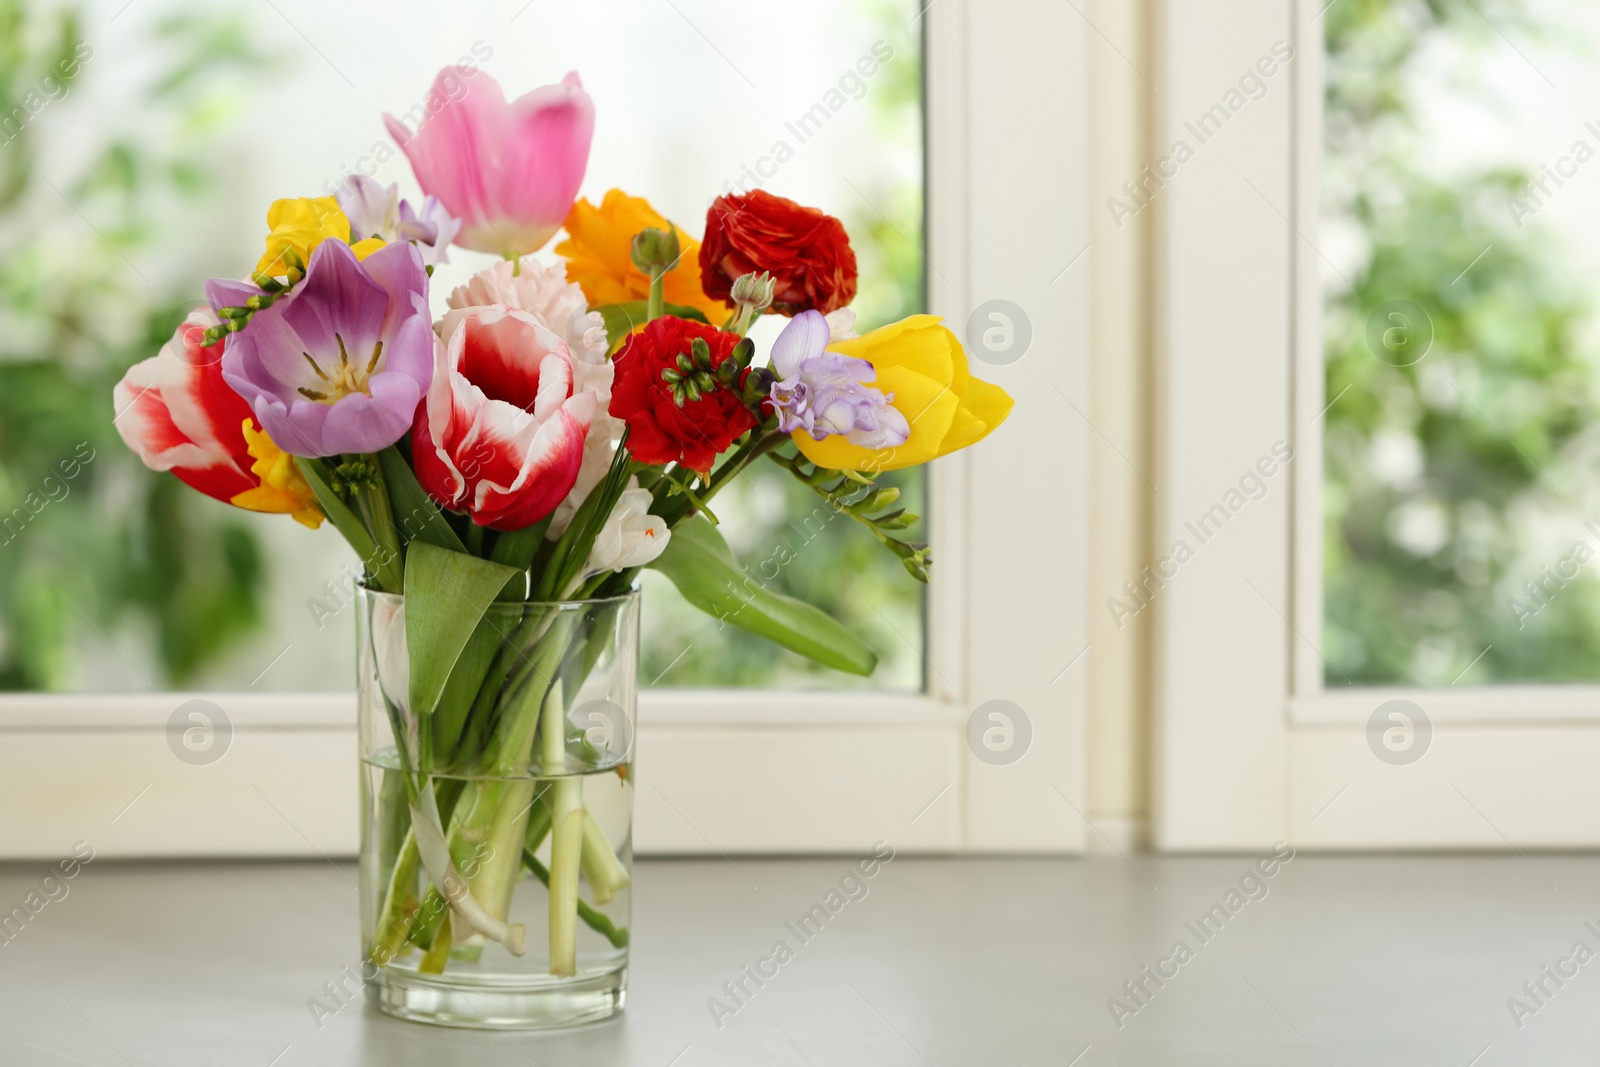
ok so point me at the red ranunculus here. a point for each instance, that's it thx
(660, 431)
(806, 251)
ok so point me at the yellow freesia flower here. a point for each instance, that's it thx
(922, 365)
(283, 489)
(297, 226)
(597, 255)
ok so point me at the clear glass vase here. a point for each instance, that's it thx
(496, 836)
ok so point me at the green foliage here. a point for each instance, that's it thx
(1420, 564)
(699, 562)
(111, 549)
(860, 497)
(446, 593)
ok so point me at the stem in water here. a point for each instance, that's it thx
(566, 837)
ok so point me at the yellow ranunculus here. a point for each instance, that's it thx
(300, 225)
(283, 489)
(922, 365)
(597, 255)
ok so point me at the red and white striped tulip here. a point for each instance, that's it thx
(500, 434)
(177, 414)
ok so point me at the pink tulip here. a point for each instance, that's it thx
(509, 172)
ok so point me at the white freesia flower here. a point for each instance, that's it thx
(631, 537)
(841, 325)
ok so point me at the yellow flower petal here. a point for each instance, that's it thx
(922, 366)
(283, 489)
(296, 227)
(984, 407)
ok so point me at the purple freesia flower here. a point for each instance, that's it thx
(375, 211)
(341, 362)
(369, 206)
(824, 393)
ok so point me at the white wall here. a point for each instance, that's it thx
(1119, 440)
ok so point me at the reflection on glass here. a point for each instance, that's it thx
(1461, 445)
(130, 164)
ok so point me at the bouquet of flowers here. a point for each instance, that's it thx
(562, 424)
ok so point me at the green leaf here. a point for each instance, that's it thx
(621, 318)
(702, 566)
(447, 594)
(416, 516)
(565, 565)
(344, 520)
(461, 690)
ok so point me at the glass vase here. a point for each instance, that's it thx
(496, 827)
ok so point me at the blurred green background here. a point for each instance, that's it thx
(120, 573)
(1454, 480)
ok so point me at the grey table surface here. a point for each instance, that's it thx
(1003, 962)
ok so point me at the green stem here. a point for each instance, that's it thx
(566, 837)
(396, 925)
(596, 920)
(699, 501)
(434, 959)
(495, 880)
(655, 306)
(673, 511)
(380, 516)
(507, 758)
(743, 318)
(838, 500)
(606, 874)
(748, 453)
(512, 744)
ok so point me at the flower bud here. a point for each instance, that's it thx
(655, 251)
(700, 352)
(757, 386)
(753, 291)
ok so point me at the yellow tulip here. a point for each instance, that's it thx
(283, 489)
(298, 226)
(597, 255)
(922, 365)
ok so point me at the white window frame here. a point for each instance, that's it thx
(739, 771)
(1249, 746)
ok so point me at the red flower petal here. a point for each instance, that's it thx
(807, 252)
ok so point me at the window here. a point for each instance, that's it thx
(1463, 373)
(1309, 256)
(188, 593)
(124, 586)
